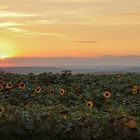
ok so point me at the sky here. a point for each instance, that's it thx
(35, 30)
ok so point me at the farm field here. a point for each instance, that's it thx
(69, 106)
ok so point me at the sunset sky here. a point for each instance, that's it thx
(32, 29)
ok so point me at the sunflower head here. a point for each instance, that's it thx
(37, 89)
(131, 124)
(1, 87)
(107, 94)
(21, 86)
(62, 92)
(2, 83)
(52, 91)
(2, 109)
(89, 104)
(135, 89)
(9, 85)
(29, 104)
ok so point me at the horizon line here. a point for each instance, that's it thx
(77, 57)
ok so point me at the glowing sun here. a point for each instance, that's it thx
(4, 56)
(7, 48)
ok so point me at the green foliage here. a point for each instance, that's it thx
(49, 115)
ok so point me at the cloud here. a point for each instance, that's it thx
(28, 32)
(87, 41)
(41, 21)
(26, 23)
(84, 12)
(3, 7)
(127, 14)
(9, 24)
(73, 1)
(6, 14)
(14, 27)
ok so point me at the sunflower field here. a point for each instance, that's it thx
(69, 106)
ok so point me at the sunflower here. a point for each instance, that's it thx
(2, 109)
(2, 83)
(135, 91)
(21, 86)
(89, 104)
(135, 87)
(29, 104)
(131, 124)
(107, 94)
(51, 91)
(9, 85)
(1, 87)
(37, 89)
(62, 92)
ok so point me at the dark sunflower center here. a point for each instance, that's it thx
(22, 85)
(89, 104)
(38, 89)
(30, 103)
(107, 94)
(51, 91)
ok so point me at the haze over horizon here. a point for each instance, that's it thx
(69, 32)
(132, 61)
